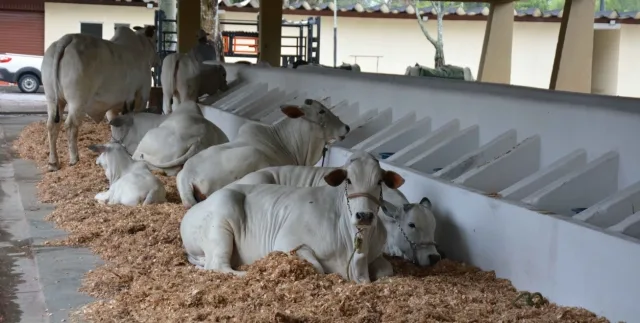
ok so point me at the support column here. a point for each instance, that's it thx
(574, 52)
(188, 24)
(270, 32)
(495, 61)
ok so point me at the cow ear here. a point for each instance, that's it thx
(123, 120)
(336, 177)
(425, 202)
(117, 122)
(98, 148)
(292, 111)
(392, 179)
(149, 31)
(390, 210)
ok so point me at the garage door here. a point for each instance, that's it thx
(22, 32)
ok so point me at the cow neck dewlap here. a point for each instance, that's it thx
(118, 162)
(303, 142)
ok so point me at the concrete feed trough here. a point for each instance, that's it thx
(521, 181)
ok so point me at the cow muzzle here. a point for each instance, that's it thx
(364, 218)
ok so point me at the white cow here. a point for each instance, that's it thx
(297, 140)
(129, 129)
(94, 76)
(130, 182)
(179, 137)
(410, 226)
(333, 227)
(183, 78)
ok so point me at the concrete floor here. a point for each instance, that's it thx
(37, 283)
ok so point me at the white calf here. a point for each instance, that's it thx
(183, 79)
(130, 182)
(180, 136)
(333, 227)
(93, 76)
(297, 140)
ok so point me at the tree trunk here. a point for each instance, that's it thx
(439, 45)
(208, 14)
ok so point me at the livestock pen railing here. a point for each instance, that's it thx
(507, 168)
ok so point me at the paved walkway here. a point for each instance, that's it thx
(43, 281)
(13, 101)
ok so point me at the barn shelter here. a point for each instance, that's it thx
(573, 54)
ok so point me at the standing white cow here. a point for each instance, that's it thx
(410, 227)
(183, 78)
(94, 76)
(130, 182)
(129, 129)
(180, 136)
(297, 140)
(333, 227)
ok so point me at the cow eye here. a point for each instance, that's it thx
(322, 112)
(412, 225)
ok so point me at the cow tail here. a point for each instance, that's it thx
(174, 86)
(58, 54)
(186, 189)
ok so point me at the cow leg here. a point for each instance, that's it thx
(218, 248)
(73, 124)
(380, 267)
(53, 129)
(307, 254)
(166, 103)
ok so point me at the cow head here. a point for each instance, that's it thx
(149, 33)
(113, 158)
(322, 120)
(120, 127)
(363, 178)
(415, 233)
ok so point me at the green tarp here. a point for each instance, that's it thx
(447, 71)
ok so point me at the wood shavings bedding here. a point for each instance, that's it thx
(146, 277)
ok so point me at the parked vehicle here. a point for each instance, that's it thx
(23, 70)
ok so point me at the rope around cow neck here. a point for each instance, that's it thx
(357, 244)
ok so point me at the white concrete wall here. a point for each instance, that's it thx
(65, 18)
(540, 150)
(400, 42)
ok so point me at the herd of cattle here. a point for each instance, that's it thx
(247, 197)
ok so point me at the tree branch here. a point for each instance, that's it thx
(422, 27)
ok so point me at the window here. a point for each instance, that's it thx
(91, 29)
(120, 25)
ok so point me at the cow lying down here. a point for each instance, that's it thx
(297, 140)
(130, 182)
(410, 227)
(334, 227)
(184, 133)
(128, 129)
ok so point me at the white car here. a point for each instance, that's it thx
(21, 69)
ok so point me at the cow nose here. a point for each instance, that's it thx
(364, 217)
(348, 128)
(433, 259)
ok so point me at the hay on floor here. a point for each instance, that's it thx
(146, 277)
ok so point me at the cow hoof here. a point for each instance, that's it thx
(53, 167)
(73, 163)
